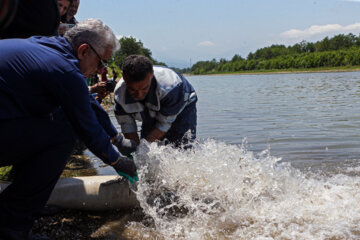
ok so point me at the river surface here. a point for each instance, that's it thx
(307, 119)
(277, 157)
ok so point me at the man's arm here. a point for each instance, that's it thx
(72, 93)
(127, 123)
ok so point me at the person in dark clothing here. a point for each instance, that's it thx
(26, 18)
(114, 73)
(64, 6)
(7, 13)
(39, 75)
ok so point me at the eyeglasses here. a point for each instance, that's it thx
(102, 63)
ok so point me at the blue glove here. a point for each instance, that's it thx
(126, 167)
(125, 146)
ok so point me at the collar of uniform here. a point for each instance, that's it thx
(61, 45)
(151, 97)
(128, 98)
(70, 50)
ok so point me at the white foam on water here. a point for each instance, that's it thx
(222, 191)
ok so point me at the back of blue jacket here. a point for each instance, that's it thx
(40, 74)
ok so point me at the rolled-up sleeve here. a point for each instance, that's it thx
(127, 123)
(125, 120)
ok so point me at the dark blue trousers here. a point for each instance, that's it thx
(38, 148)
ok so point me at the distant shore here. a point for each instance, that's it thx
(285, 71)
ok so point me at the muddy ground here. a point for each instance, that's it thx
(79, 225)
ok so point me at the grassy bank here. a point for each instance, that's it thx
(77, 165)
(286, 71)
(6, 173)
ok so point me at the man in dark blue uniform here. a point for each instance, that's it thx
(39, 75)
(162, 99)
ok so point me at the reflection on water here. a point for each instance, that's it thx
(302, 118)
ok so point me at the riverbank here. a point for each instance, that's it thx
(285, 71)
(63, 224)
(77, 165)
(85, 225)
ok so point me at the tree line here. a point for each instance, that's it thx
(340, 50)
(130, 46)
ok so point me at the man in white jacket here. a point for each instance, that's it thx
(162, 99)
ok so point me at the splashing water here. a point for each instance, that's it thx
(220, 191)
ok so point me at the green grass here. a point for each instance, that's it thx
(77, 165)
(290, 70)
(5, 173)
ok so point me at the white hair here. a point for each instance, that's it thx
(94, 32)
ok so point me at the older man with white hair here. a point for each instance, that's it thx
(38, 76)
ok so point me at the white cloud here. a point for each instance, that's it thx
(206, 44)
(119, 37)
(321, 29)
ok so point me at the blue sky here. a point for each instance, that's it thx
(180, 32)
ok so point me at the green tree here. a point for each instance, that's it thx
(236, 57)
(130, 46)
(340, 50)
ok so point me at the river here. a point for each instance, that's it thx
(277, 157)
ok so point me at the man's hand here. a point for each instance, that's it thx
(126, 167)
(125, 146)
(154, 135)
(62, 29)
(99, 87)
(133, 136)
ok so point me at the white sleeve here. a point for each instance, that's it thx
(127, 123)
